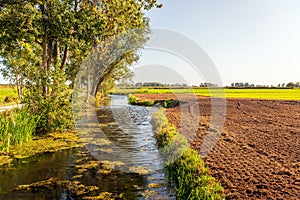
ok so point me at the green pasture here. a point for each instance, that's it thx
(7, 91)
(275, 94)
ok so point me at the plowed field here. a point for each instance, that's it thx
(258, 153)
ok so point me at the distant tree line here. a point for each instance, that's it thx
(205, 85)
(164, 85)
(280, 85)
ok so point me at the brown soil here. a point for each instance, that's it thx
(258, 153)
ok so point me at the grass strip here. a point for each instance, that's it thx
(184, 165)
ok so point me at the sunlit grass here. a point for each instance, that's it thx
(185, 166)
(275, 94)
(17, 127)
(7, 91)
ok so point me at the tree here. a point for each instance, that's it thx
(290, 85)
(60, 34)
(17, 63)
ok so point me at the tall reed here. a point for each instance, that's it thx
(16, 127)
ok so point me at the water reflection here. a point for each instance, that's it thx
(120, 157)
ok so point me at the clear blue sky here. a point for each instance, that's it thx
(256, 41)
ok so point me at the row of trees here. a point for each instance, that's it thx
(44, 43)
(283, 85)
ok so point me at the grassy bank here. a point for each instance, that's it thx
(17, 126)
(133, 100)
(18, 139)
(274, 94)
(168, 103)
(184, 164)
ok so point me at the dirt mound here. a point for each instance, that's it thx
(258, 153)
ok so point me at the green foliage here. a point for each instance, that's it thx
(171, 103)
(17, 127)
(290, 85)
(184, 164)
(44, 43)
(55, 109)
(159, 121)
(133, 100)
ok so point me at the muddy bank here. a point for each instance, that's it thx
(258, 153)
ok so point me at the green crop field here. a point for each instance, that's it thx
(276, 94)
(7, 91)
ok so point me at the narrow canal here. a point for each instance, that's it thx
(119, 159)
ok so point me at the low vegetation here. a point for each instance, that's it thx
(168, 103)
(185, 167)
(133, 100)
(17, 127)
(52, 142)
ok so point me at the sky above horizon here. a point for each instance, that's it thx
(255, 41)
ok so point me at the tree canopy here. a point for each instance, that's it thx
(44, 42)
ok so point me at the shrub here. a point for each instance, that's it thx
(10, 99)
(55, 111)
(133, 100)
(171, 103)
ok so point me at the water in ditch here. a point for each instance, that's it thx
(119, 160)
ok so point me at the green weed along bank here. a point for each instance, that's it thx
(169, 103)
(185, 167)
(133, 100)
(17, 127)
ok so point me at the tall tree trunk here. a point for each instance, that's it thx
(98, 79)
(45, 57)
(44, 69)
(21, 86)
(88, 84)
(17, 83)
(57, 52)
(50, 57)
(65, 57)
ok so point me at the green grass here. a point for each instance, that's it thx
(185, 167)
(274, 94)
(7, 91)
(17, 127)
(168, 103)
(133, 100)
